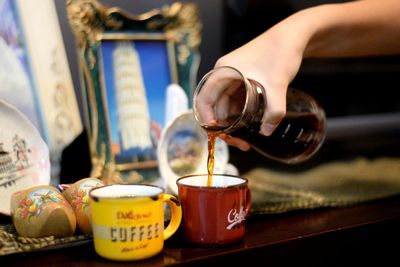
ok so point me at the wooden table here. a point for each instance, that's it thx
(367, 233)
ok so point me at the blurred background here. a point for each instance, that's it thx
(359, 95)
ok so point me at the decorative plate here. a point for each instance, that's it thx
(24, 156)
(183, 150)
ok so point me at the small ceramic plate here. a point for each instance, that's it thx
(24, 156)
(183, 150)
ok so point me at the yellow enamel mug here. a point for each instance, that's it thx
(128, 220)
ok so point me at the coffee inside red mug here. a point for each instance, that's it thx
(214, 215)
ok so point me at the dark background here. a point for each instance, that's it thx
(359, 95)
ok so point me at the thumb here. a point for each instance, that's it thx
(275, 111)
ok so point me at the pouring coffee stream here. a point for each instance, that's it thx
(210, 160)
(227, 102)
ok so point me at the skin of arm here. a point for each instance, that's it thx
(351, 29)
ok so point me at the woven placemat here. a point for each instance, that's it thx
(11, 243)
(332, 184)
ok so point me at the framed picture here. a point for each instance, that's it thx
(34, 73)
(134, 97)
(129, 63)
(17, 86)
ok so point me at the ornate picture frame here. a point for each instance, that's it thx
(162, 47)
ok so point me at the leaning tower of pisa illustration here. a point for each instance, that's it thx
(132, 108)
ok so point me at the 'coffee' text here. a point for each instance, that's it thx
(135, 233)
(235, 217)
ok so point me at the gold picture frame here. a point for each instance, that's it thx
(168, 38)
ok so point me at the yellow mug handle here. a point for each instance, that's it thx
(176, 215)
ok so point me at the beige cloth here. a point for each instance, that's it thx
(328, 185)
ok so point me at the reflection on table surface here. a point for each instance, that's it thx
(331, 236)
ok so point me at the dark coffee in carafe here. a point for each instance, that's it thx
(225, 101)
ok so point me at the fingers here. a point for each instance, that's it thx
(222, 111)
(274, 112)
(232, 101)
(237, 142)
(205, 101)
(212, 99)
(205, 113)
(271, 121)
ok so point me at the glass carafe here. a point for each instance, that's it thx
(225, 101)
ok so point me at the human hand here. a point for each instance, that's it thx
(234, 141)
(220, 98)
(272, 59)
(219, 101)
(273, 63)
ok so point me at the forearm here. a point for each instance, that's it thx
(359, 28)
